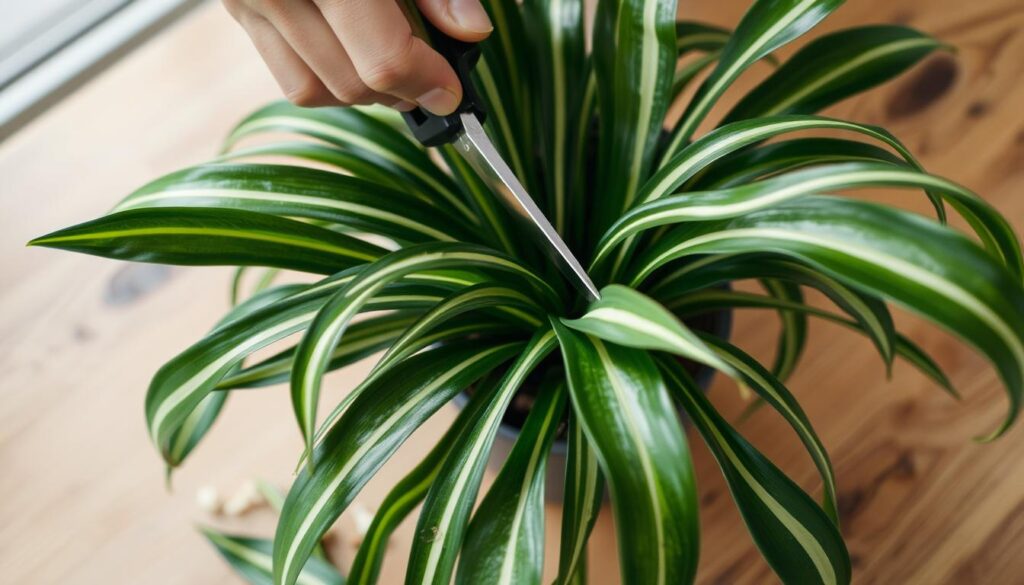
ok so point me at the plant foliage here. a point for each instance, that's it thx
(415, 258)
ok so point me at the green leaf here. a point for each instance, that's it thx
(323, 154)
(369, 432)
(995, 232)
(557, 28)
(625, 411)
(250, 558)
(200, 420)
(313, 353)
(870, 313)
(729, 139)
(798, 540)
(766, 26)
(925, 267)
(582, 499)
(715, 300)
(483, 296)
(724, 141)
(442, 523)
(210, 237)
(476, 329)
(290, 191)
(406, 496)
(504, 543)
(266, 279)
(630, 318)
(503, 79)
(699, 36)
(483, 199)
(770, 389)
(193, 429)
(183, 382)
(363, 136)
(751, 163)
(834, 67)
(635, 55)
(363, 339)
(689, 71)
(793, 333)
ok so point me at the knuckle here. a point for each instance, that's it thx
(392, 68)
(305, 94)
(354, 93)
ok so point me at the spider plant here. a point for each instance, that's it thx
(415, 258)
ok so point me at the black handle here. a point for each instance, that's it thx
(432, 130)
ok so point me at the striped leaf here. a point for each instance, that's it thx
(290, 191)
(504, 543)
(733, 137)
(723, 142)
(442, 523)
(798, 540)
(267, 277)
(624, 409)
(870, 313)
(557, 28)
(995, 232)
(369, 432)
(363, 136)
(193, 429)
(834, 67)
(698, 36)
(581, 503)
(185, 380)
(717, 300)
(766, 26)
(251, 559)
(407, 494)
(630, 318)
(751, 163)
(793, 332)
(211, 237)
(477, 330)
(503, 79)
(925, 267)
(313, 354)
(635, 54)
(769, 388)
(485, 203)
(323, 154)
(483, 296)
(201, 419)
(363, 339)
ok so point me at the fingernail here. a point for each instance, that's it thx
(470, 15)
(439, 101)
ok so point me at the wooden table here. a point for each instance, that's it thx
(81, 489)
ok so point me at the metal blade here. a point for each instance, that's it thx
(478, 151)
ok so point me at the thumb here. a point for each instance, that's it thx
(465, 20)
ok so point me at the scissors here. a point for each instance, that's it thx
(464, 129)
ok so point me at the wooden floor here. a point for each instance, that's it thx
(81, 489)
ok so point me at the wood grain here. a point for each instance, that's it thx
(81, 490)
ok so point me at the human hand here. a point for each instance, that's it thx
(349, 52)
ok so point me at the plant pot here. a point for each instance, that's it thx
(717, 323)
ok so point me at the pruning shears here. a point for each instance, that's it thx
(464, 129)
